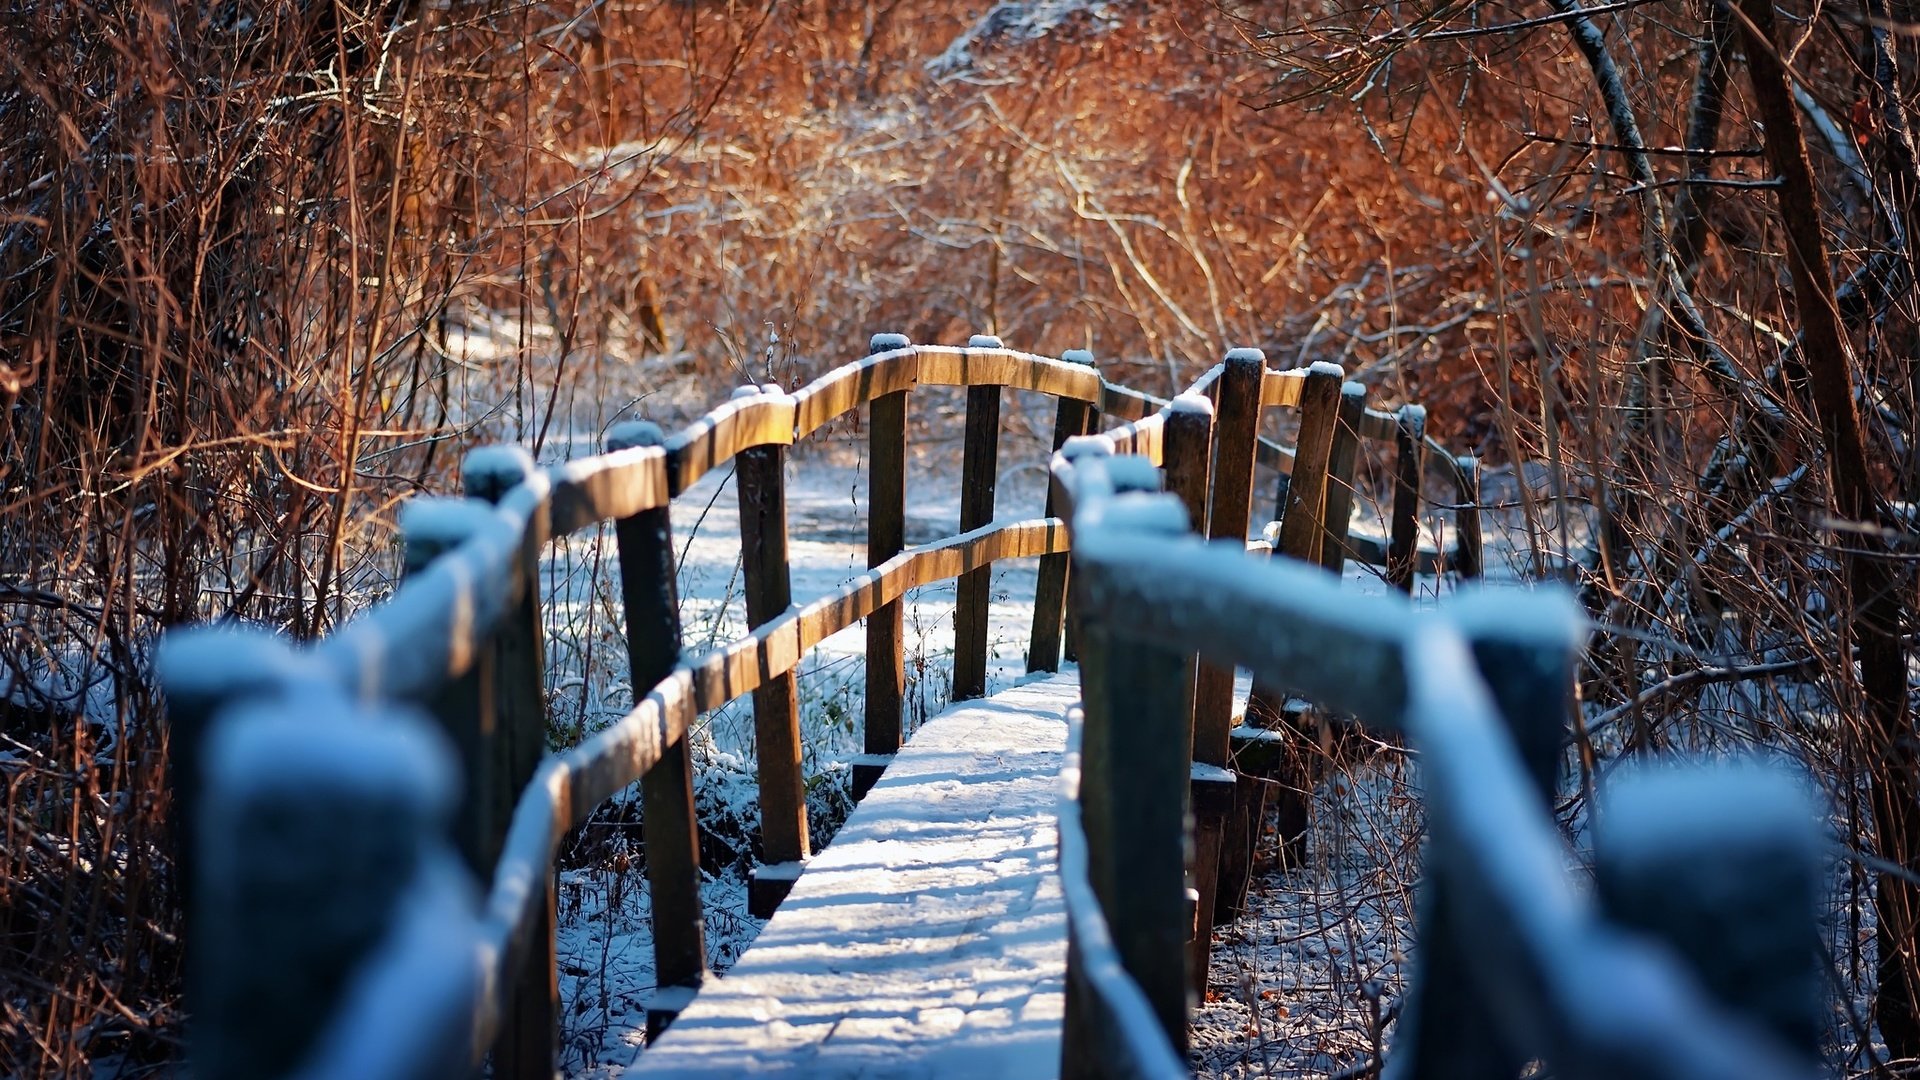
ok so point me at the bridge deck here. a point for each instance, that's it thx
(929, 939)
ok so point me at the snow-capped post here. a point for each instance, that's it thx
(1410, 451)
(466, 705)
(202, 670)
(1721, 864)
(979, 473)
(1302, 522)
(1466, 516)
(886, 537)
(1236, 438)
(319, 816)
(1526, 646)
(1135, 768)
(1187, 453)
(761, 474)
(1340, 462)
(650, 597)
(1070, 418)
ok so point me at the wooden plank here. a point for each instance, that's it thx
(1334, 546)
(890, 370)
(886, 537)
(1410, 447)
(1070, 418)
(651, 603)
(956, 923)
(991, 365)
(979, 475)
(755, 417)
(529, 1038)
(1301, 526)
(608, 487)
(1282, 389)
(760, 473)
(1466, 517)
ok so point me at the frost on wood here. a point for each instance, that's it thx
(315, 820)
(1328, 367)
(435, 524)
(1078, 356)
(880, 343)
(985, 341)
(1244, 353)
(628, 434)
(1191, 404)
(488, 472)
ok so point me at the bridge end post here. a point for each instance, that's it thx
(1136, 776)
(1070, 418)
(529, 1039)
(760, 473)
(886, 537)
(979, 476)
(651, 600)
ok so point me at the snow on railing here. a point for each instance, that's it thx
(1696, 956)
(462, 639)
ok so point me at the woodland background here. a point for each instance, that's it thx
(1656, 256)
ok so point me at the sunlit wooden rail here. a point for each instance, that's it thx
(330, 938)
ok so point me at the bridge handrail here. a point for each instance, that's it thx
(472, 586)
(1479, 696)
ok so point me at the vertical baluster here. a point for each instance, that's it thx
(886, 537)
(1340, 463)
(1236, 430)
(1466, 519)
(1134, 782)
(1070, 636)
(1188, 455)
(1410, 448)
(530, 1036)
(1070, 418)
(1528, 665)
(979, 473)
(319, 817)
(1302, 525)
(760, 472)
(1733, 893)
(466, 705)
(651, 599)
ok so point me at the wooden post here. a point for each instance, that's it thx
(1070, 418)
(1303, 525)
(760, 472)
(1721, 863)
(1134, 791)
(529, 1040)
(651, 598)
(466, 705)
(318, 817)
(1340, 462)
(1466, 518)
(1529, 669)
(1288, 762)
(886, 537)
(1236, 432)
(1410, 448)
(1188, 455)
(1070, 637)
(979, 473)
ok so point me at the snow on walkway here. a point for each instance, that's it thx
(929, 939)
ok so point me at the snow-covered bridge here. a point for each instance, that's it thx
(1029, 886)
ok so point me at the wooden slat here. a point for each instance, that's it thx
(945, 365)
(846, 388)
(1119, 403)
(1071, 418)
(1411, 449)
(608, 487)
(1334, 546)
(886, 537)
(1306, 493)
(1281, 389)
(750, 420)
(1466, 517)
(979, 476)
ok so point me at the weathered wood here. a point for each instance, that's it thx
(467, 704)
(1466, 517)
(886, 537)
(1070, 418)
(979, 475)
(1133, 795)
(888, 370)
(1410, 448)
(651, 601)
(529, 1040)
(1070, 634)
(319, 817)
(1302, 525)
(994, 365)
(747, 420)
(1340, 463)
(761, 475)
(1721, 864)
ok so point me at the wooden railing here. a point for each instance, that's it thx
(329, 933)
(1696, 955)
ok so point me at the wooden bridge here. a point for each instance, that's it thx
(1028, 886)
